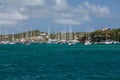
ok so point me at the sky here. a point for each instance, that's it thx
(20, 15)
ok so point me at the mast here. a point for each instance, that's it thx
(57, 35)
(48, 32)
(22, 36)
(4, 36)
(62, 35)
(65, 32)
(13, 37)
(0, 35)
(106, 34)
(86, 33)
(30, 34)
(38, 34)
(26, 34)
(70, 32)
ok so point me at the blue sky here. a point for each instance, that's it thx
(16, 15)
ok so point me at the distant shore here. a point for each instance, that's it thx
(97, 36)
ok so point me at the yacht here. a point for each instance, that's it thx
(71, 41)
(87, 41)
(108, 41)
(13, 40)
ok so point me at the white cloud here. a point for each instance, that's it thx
(86, 18)
(22, 9)
(23, 2)
(59, 11)
(7, 22)
(11, 18)
(96, 10)
(67, 21)
(32, 2)
(60, 4)
(82, 13)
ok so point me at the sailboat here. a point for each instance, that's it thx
(116, 41)
(63, 36)
(49, 40)
(13, 40)
(5, 41)
(70, 35)
(87, 41)
(53, 40)
(31, 36)
(107, 41)
(71, 40)
(27, 42)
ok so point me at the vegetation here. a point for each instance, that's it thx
(100, 35)
(33, 33)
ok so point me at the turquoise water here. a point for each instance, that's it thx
(59, 62)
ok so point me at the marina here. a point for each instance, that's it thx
(63, 37)
(59, 39)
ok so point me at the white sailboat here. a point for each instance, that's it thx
(5, 41)
(71, 40)
(27, 42)
(13, 39)
(49, 40)
(70, 35)
(116, 41)
(87, 41)
(107, 41)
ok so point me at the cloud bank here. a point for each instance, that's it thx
(59, 11)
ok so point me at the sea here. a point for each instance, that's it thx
(59, 62)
